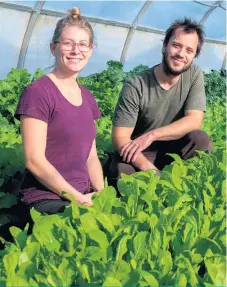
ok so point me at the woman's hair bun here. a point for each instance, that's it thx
(74, 12)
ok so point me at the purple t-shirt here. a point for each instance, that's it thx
(70, 134)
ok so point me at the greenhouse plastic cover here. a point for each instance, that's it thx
(128, 31)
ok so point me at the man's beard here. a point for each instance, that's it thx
(167, 68)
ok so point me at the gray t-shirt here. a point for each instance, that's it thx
(144, 105)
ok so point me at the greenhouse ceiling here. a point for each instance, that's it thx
(126, 31)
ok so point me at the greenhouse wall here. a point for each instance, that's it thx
(111, 33)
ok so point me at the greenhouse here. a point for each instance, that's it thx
(113, 143)
(118, 26)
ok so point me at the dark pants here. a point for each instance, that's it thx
(50, 206)
(19, 215)
(157, 154)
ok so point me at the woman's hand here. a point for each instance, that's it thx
(85, 199)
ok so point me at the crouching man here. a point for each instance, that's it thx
(161, 110)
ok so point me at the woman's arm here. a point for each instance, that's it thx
(95, 169)
(34, 133)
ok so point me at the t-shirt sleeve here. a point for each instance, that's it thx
(127, 109)
(94, 106)
(34, 102)
(196, 99)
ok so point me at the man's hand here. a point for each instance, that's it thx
(131, 150)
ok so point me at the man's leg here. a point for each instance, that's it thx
(195, 140)
(117, 166)
(157, 154)
(185, 147)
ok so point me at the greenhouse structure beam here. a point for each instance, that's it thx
(210, 11)
(223, 67)
(27, 36)
(38, 10)
(132, 30)
(17, 7)
(215, 5)
(90, 19)
(121, 25)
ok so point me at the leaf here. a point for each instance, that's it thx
(210, 188)
(11, 261)
(35, 215)
(7, 200)
(165, 183)
(53, 279)
(216, 268)
(149, 278)
(186, 267)
(106, 221)
(177, 172)
(122, 247)
(119, 270)
(93, 253)
(27, 268)
(66, 272)
(134, 278)
(32, 250)
(88, 222)
(18, 280)
(204, 244)
(177, 158)
(99, 237)
(153, 220)
(19, 236)
(219, 214)
(109, 282)
(139, 244)
(165, 262)
(105, 199)
(181, 280)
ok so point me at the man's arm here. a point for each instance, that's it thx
(176, 130)
(121, 136)
(191, 121)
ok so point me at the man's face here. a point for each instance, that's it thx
(180, 52)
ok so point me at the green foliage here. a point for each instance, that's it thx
(163, 231)
(11, 89)
(215, 86)
(167, 231)
(137, 70)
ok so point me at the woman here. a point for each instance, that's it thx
(57, 122)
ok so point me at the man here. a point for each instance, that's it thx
(161, 111)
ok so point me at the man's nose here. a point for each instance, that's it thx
(181, 52)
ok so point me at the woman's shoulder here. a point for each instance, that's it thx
(85, 91)
(41, 84)
(87, 94)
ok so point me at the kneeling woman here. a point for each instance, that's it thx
(57, 122)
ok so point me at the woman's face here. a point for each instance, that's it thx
(72, 50)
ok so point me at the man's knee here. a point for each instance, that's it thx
(200, 140)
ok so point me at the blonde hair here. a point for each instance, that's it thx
(73, 19)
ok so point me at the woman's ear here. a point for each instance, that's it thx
(52, 48)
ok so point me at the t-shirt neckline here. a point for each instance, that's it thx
(160, 87)
(55, 86)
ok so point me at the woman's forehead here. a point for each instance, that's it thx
(74, 32)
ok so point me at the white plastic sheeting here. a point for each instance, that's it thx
(111, 21)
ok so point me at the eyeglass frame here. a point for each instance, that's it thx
(74, 44)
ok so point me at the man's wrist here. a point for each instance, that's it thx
(153, 135)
